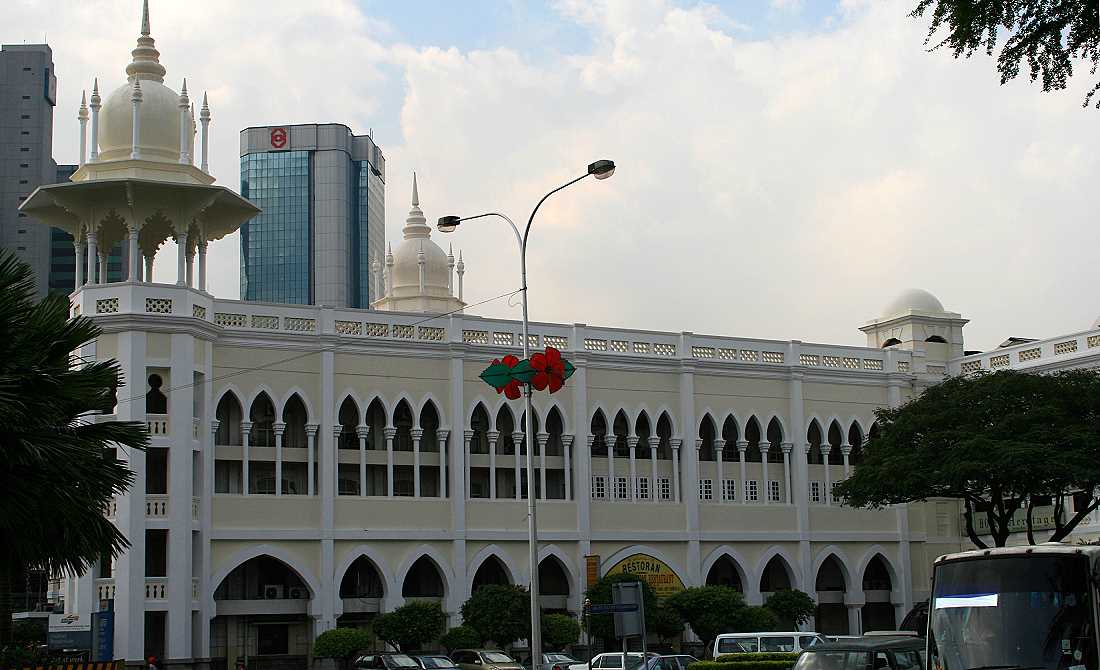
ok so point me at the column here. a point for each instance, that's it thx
(191, 268)
(787, 447)
(542, 438)
(311, 444)
(134, 259)
(181, 259)
(654, 489)
(96, 105)
(280, 427)
(699, 478)
(612, 493)
(337, 430)
(494, 438)
(362, 432)
(92, 257)
(845, 451)
(202, 265)
(855, 626)
(246, 433)
(719, 451)
(676, 468)
(103, 279)
(517, 440)
(567, 447)
(390, 432)
(826, 450)
(135, 140)
(632, 486)
(148, 277)
(441, 436)
(466, 437)
(742, 448)
(417, 433)
(78, 247)
(765, 447)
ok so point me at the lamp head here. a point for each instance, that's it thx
(602, 169)
(447, 224)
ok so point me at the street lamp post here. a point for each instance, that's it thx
(601, 169)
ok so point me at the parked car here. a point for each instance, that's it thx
(386, 662)
(435, 662)
(671, 662)
(614, 661)
(917, 619)
(484, 659)
(841, 638)
(552, 660)
(873, 653)
(733, 643)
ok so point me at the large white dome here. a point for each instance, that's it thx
(915, 299)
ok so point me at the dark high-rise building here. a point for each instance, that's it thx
(322, 192)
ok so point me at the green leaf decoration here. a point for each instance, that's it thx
(497, 375)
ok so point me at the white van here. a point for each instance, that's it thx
(736, 643)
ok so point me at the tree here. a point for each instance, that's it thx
(709, 610)
(411, 626)
(559, 630)
(59, 461)
(460, 637)
(756, 620)
(791, 606)
(499, 612)
(666, 624)
(342, 644)
(994, 441)
(1047, 35)
(603, 625)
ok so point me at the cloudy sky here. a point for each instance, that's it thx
(785, 167)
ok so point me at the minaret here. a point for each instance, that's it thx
(461, 271)
(97, 102)
(451, 269)
(376, 283)
(82, 116)
(204, 119)
(389, 270)
(185, 125)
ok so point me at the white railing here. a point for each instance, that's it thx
(157, 424)
(1061, 351)
(156, 507)
(156, 588)
(105, 589)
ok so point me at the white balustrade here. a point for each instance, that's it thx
(156, 588)
(156, 507)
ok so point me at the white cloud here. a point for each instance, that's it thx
(783, 187)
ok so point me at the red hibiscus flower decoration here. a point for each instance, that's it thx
(549, 370)
(511, 389)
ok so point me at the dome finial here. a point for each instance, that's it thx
(416, 225)
(146, 62)
(416, 196)
(145, 18)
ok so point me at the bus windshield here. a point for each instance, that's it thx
(1011, 612)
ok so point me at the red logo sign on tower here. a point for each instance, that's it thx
(278, 138)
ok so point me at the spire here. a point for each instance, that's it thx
(204, 113)
(416, 226)
(82, 114)
(146, 63)
(96, 100)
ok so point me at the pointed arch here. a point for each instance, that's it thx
(403, 421)
(348, 418)
(843, 565)
(375, 557)
(553, 552)
(784, 561)
(835, 437)
(432, 558)
(536, 426)
(856, 438)
(484, 559)
(718, 566)
(599, 431)
(278, 553)
(261, 413)
(707, 433)
(664, 431)
(620, 428)
(295, 416)
(555, 428)
(361, 576)
(429, 422)
(430, 399)
(877, 552)
(229, 414)
(775, 436)
(505, 424)
(377, 419)
(480, 425)
(754, 435)
(815, 437)
(303, 397)
(643, 430)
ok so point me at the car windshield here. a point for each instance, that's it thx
(730, 646)
(497, 657)
(833, 660)
(437, 662)
(558, 658)
(1013, 612)
(401, 661)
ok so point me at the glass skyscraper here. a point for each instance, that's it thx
(322, 192)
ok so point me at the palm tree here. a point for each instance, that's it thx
(59, 467)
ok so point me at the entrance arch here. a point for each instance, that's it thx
(878, 586)
(831, 584)
(726, 571)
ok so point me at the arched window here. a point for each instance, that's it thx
(262, 578)
(349, 424)
(554, 428)
(664, 435)
(814, 438)
(753, 436)
(423, 580)
(832, 615)
(855, 438)
(621, 428)
(725, 572)
(599, 435)
(491, 571)
(641, 429)
(776, 576)
(553, 580)
(706, 434)
(295, 417)
(775, 440)
(506, 425)
(429, 423)
(229, 415)
(535, 426)
(730, 434)
(155, 400)
(403, 422)
(479, 424)
(892, 342)
(362, 580)
(375, 419)
(836, 438)
(262, 416)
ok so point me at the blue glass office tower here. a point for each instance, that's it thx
(322, 192)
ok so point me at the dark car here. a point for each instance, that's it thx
(866, 653)
(386, 662)
(552, 660)
(435, 662)
(671, 662)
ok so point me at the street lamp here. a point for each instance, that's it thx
(601, 169)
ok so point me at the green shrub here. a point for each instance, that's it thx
(460, 637)
(743, 665)
(559, 630)
(342, 643)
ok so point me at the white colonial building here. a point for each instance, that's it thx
(312, 466)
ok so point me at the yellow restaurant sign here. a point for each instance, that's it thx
(657, 574)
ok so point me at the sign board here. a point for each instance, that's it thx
(69, 631)
(630, 617)
(279, 137)
(103, 635)
(662, 579)
(592, 570)
(1042, 518)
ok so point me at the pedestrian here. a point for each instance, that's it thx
(153, 665)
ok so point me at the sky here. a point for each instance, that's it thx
(785, 167)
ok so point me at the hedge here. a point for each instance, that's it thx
(758, 656)
(753, 661)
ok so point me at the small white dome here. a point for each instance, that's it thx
(160, 123)
(915, 299)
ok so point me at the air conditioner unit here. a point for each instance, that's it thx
(297, 593)
(273, 591)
